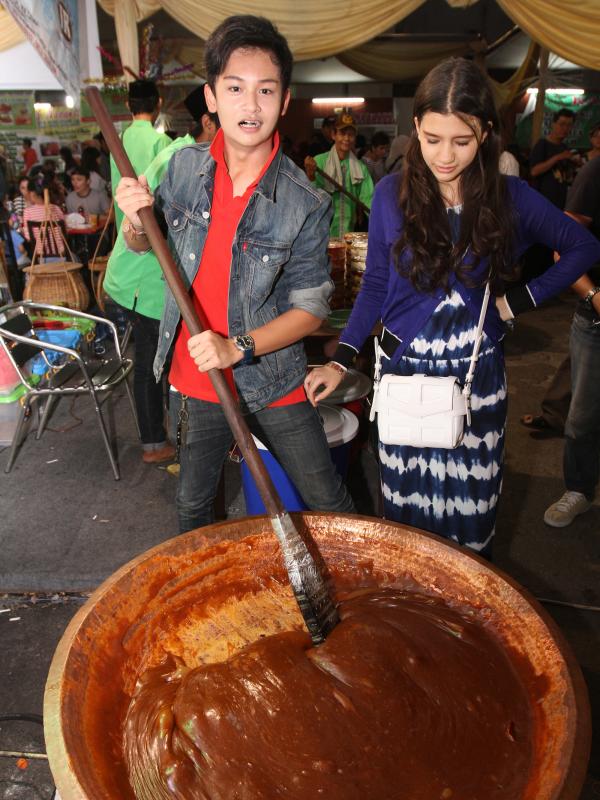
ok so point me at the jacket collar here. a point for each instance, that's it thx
(266, 185)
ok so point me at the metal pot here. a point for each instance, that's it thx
(207, 593)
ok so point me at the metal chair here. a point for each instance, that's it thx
(78, 376)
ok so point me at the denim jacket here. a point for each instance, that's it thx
(279, 261)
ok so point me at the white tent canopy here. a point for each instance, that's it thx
(22, 68)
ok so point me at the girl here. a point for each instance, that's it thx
(439, 232)
(21, 201)
(38, 212)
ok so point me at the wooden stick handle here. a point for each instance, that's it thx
(241, 432)
(338, 186)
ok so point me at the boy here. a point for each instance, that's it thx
(142, 144)
(250, 236)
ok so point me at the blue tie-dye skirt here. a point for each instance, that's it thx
(453, 493)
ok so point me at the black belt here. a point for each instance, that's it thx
(389, 343)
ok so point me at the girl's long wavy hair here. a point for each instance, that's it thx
(425, 252)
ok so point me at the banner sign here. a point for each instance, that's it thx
(16, 110)
(56, 120)
(115, 102)
(52, 27)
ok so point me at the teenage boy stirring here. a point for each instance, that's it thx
(249, 234)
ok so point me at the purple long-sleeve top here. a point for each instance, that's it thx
(387, 296)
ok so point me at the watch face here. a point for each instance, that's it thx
(245, 342)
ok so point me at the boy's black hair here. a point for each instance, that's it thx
(85, 173)
(246, 32)
(143, 97)
(563, 112)
(27, 142)
(380, 138)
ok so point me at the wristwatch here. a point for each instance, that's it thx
(245, 343)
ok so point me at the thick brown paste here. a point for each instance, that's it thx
(406, 699)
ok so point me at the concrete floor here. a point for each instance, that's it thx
(561, 567)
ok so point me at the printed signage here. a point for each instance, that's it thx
(52, 28)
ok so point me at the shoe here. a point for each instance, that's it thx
(539, 426)
(564, 511)
(165, 453)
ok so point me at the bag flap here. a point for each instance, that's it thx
(420, 395)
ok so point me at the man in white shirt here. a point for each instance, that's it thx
(85, 200)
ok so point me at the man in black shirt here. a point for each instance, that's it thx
(553, 168)
(552, 164)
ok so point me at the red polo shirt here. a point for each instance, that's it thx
(210, 288)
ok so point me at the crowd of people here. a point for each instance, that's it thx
(52, 189)
(249, 226)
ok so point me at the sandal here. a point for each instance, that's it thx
(536, 423)
(539, 426)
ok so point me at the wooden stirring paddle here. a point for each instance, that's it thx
(312, 595)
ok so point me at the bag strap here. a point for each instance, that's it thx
(104, 229)
(475, 356)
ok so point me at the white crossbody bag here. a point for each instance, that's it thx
(424, 410)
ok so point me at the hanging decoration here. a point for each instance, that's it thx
(151, 59)
(148, 70)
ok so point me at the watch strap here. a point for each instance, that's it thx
(245, 343)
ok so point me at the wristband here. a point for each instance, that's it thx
(337, 367)
(589, 298)
(129, 227)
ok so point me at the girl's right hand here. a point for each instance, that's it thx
(327, 377)
(131, 195)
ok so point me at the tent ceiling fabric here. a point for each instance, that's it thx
(319, 29)
(10, 33)
(396, 62)
(571, 30)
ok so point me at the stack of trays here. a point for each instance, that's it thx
(356, 257)
(336, 250)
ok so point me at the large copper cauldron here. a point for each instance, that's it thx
(202, 597)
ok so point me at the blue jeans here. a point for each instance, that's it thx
(293, 434)
(581, 461)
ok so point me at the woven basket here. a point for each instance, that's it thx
(58, 283)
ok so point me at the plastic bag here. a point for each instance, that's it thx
(48, 359)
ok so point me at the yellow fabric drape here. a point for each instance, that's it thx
(126, 13)
(569, 28)
(319, 29)
(395, 61)
(188, 52)
(10, 33)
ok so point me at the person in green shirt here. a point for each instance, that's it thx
(346, 170)
(141, 140)
(135, 283)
